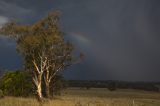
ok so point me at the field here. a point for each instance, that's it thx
(91, 97)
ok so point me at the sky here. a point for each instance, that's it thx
(120, 38)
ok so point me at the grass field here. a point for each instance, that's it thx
(92, 97)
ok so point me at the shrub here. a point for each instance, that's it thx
(1, 94)
(16, 83)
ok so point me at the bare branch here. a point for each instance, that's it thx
(44, 63)
(54, 74)
(35, 81)
(37, 69)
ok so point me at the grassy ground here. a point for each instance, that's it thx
(92, 97)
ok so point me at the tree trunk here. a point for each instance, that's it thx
(47, 83)
(38, 87)
(39, 93)
(47, 90)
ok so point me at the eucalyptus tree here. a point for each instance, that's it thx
(44, 50)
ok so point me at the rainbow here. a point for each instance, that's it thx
(80, 38)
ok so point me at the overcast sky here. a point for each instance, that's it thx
(120, 38)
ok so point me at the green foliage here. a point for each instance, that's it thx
(16, 83)
(42, 36)
(1, 94)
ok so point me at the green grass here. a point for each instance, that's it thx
(92, 97)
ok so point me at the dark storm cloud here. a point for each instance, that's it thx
(119, 37)
(9, 59)
(124, 35)
(14, 11)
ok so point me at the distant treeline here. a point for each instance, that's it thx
(113, 85)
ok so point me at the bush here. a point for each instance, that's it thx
(16, 83)
(1, 94)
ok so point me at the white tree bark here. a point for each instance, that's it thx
(38, 73)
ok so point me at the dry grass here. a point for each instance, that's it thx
(93, 97)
